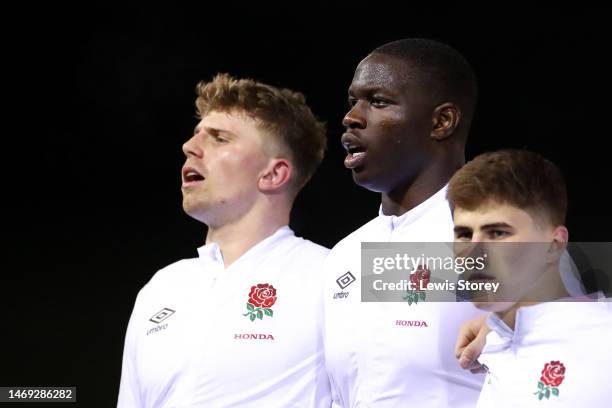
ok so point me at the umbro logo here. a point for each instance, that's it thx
(345, 280)
(162, 315)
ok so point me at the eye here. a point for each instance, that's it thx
(379, 103)
(218, 139)
(498, 234)
(352, 101)
(463, 236)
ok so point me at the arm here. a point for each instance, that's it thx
(470, 342)
(129, 391)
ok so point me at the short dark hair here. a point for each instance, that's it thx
(281, 111)
(519, 178)
(444, 70)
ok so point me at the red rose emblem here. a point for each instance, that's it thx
(553, 373)
(262, 295)
(422, 275)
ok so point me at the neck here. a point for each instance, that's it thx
(549, 290)
(405, 197)
(238, 236)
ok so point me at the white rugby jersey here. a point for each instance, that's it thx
(394, 354)
(557, 356)
(250, 335)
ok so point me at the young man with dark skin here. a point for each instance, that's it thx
(545, 344)
(405, 132)
(411, 103)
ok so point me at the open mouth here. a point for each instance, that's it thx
(191, 176)
(355, 157)
(479, 276)
(355, 151)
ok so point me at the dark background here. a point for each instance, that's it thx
(99, 99)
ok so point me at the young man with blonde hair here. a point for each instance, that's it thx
(239, 326)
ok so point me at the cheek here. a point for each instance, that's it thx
(232, 162)
(393, 129)
(399, 139)
(389, 125)
(518, 268)
(501, 261)
(239, 169)
(404, 121)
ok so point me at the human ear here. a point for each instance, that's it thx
(446, 118)
(560, 237)
(276, 176)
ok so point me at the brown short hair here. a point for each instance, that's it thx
(520, 178)
(280, 111)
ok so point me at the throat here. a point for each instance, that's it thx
(401, 200)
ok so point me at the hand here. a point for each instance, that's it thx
(470, 342)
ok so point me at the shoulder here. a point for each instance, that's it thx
(170, 278)
(365, 233)
(346, 254)
(308, 248)
(595, 316)
(297, 252)
(167, 284)
(434, 225)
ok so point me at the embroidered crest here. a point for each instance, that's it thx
(261, 298)
(419, 280)
(552, 376)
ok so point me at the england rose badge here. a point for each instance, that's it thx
(261, 298)
(553, 375)
(419, 280)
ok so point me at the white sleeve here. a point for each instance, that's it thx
(129, 389)
(327, 270)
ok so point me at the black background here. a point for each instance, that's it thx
(99, 99)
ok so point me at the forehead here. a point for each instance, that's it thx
(234, 122)
(492, 213)
(383, 71)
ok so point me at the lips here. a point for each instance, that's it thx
(355, 149)
(191, 176)
(480, 276)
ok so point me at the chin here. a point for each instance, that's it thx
(491, 305)
(194, 210)
(369, 183)
(484, 305)
(197, 216)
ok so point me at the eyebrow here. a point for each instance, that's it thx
(365, 89)
(460, 228)
(496, 225)
(214, 131)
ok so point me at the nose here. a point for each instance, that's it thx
(191, 148)
(470, 248)
(477, 238)
(354, 118)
